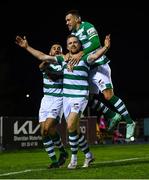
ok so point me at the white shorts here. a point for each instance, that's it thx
(77, 105)
(100, 79)
(50, 107)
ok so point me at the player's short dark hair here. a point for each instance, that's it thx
(72, 35)
(73, 12)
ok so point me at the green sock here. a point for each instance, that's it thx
(108, 113)
(58, 142)
(120, 107)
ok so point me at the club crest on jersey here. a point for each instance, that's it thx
(80, 34)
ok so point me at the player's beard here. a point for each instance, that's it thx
(74, 50)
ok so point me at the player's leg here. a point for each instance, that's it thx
(58, 142)
(122, 110)
(115, 101)
(83, 144)
(48, 144)
(73, 138)
(53, 132)
(48, 114)
(100, 81)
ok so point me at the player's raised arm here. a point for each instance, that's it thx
(22, 42)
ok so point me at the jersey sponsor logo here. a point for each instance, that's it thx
(80, 34)
(80, 31)
(82, 37)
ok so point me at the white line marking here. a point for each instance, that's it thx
(120, 160)
(21, 172)
(102, 162)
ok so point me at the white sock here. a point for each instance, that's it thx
(74, 157)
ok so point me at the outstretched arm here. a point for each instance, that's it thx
(22, 42)
(101, 51)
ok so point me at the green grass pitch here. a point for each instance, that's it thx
(125, 161)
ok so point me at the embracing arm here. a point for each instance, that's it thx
(76, 57)
(93, 57)
(22, 42)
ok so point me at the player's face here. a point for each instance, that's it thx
(73, 45)
(56, 49)
(71, 21)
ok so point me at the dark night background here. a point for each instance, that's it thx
(44, 24)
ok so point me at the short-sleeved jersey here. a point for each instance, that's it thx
(53, 87)
(75, 84)
(85, 33)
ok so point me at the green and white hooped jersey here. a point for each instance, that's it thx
(85, 33)
(75, 84)
(53, 87)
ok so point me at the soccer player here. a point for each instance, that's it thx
(75, 94)
(100, 73)
(50, 111)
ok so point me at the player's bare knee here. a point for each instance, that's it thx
(71, 127)
(52, 130)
